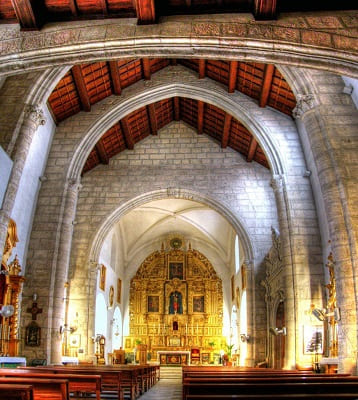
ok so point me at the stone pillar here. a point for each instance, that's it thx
(322, 133)
(288, 272)
(33, 118)
(250, 305)
(56, 302)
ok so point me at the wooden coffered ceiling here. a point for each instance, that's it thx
(33, 14)
(87, 84)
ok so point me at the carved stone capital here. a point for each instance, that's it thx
(35, 114)
(74, 184)
(305, 102)
(277, 183)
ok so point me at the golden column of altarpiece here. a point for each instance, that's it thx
(176, 303)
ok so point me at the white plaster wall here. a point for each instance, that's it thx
(5, 170)
(23, 211)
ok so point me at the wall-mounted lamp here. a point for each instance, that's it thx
(244, 338)
(277, 331)
(322, 314)
(7, 311)
(64, 328)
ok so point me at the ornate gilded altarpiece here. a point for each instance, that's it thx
(176, 301)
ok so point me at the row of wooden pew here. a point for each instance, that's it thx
(220, 383)
(58, 382)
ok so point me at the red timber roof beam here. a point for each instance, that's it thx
(202, 68)
(152, 119)
(104, 5)
(226, 131)
(252, 150)
(101, 152)
(200, 117)
(266, 85)
(81, 88)
(145, 12)
(73, 8)
(116, 80)
(146, 66)
(29, 13)
(127, 133)
(265, 9)
(234, 66)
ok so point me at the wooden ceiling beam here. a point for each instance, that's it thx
(265, 9)
(266, 85)
(145, 12)
(29, 13)
(234, 66)
(104, 7)
(200, 117)
(73, 8)
(202, 68)
(115, 78)
(152, 119)
(146, 66)
(252, 150)
(81, 88)
(226, 131)
(101, 152)
(127, 133)
(176, 106)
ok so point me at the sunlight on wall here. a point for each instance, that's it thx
(117, 329)
(101, 316)
(237, 254)
(243, 328)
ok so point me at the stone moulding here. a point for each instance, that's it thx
(326, 42)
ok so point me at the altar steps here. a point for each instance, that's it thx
(171, 373)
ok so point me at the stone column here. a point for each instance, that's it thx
(322, 133)
(288, 272)
(61, 264)
(33, 118)
(250, 305)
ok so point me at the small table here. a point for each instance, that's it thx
(332, 364)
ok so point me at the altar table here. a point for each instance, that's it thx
(174, 357)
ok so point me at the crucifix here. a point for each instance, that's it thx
(34, 310)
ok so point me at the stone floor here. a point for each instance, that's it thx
(165, 389)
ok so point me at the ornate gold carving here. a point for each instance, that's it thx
(162, 312)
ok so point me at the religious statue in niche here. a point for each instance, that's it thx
(176, 303)
(198, 303)
(176, 270)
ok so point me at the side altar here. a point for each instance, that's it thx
(176, 304)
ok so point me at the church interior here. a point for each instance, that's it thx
(178, 184)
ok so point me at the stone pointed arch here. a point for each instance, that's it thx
(191, 89)
(170, 193)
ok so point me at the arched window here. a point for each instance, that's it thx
(101, 315)
(237, 254)
(117, 329)
(234, 334)
(243, 328)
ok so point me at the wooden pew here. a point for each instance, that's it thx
(110, 379)
(43, 389)
(16, 391)
(276, 387)
(77, 383)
